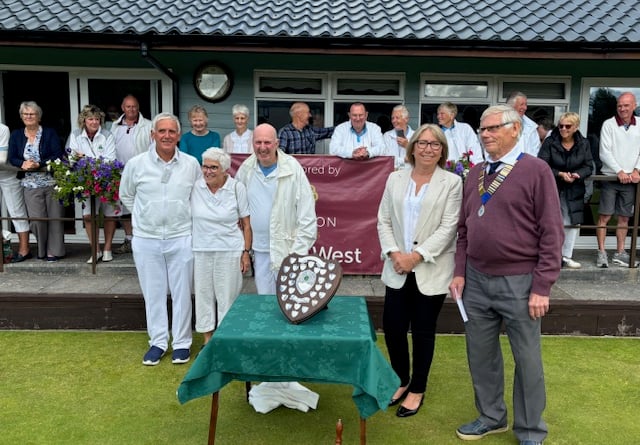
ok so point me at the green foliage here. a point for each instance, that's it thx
(91, 388)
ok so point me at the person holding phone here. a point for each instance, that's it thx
(397, 139)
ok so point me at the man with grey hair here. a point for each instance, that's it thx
(508, 252)
(461, 138)
(396, 139)
(298, 136)
(530, 140)
(156, 186)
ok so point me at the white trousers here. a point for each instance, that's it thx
(165, 265)
(218, 281)
(570, 234)
(14, 198)
(265, 278)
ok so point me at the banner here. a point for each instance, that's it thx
(347, 195)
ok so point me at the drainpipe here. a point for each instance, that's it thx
(144, 51)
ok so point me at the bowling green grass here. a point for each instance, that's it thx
(76, 388)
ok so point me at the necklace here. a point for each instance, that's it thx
(486, 195)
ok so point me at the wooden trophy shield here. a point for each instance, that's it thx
(306, 284)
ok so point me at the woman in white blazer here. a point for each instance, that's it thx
(417, 222)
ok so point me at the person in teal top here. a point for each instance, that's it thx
(199, 138)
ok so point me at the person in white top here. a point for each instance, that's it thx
(221, 240)
(157, 186)
(530, 139)
(396, 139)
(620, 156)
(92, 141)
(357, 138)
(239, 141)
(461, 138)
(132, 134)
(13, 197)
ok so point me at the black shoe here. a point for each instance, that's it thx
(406, 412)
(394, 402)
(18, 258)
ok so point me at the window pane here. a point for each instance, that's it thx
(458, 89)
(369, 87)
(536, 90)
(290, 85)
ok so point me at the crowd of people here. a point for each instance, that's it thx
(497, 244)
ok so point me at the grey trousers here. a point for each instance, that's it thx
(489, 301)
(41, 203)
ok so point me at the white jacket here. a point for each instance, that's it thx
(103, 144)
(293, 227)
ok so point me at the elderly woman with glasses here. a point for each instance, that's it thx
(90, 140)
(568, 153)
(239, 141)
(29, 149)
(417, 222)
(221, 240)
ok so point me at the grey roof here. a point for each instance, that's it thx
(472, 21)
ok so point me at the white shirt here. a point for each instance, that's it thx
(461, 138)
(103, 144)
(619, 148)
(158, 194)
(530, 137)
(345, 140)
(263, 191)
(235, 143)
(397, 151)
(215, 216)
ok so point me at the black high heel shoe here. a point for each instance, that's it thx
(394, 402)
(406, 412)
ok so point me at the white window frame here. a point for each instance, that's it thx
(628, 83)
(490, 80)
(367, 75)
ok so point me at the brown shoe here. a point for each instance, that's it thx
(124, 247)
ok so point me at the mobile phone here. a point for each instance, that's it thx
(400, 133)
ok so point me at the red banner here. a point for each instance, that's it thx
(347, 194)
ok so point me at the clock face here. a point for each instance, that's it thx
(213, 82)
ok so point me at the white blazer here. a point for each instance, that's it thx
(435, 232)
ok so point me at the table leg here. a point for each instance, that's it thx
(213, 421)
(363, 431)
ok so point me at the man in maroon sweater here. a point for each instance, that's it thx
(508, 256)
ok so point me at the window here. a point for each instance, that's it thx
(329, 96)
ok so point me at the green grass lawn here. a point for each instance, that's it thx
(91, 388)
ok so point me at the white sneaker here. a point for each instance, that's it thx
(98, 257)
(568, 262)
(106, 256)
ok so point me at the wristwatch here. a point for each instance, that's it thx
(249, 251)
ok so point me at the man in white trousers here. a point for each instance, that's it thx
(156, 185)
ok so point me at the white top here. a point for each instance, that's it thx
(530, 137)
(461, 138)
(131, 141)
(235, 143)
(345, 140)
(215, 216)
(4, 150)
(158, 194)
(263, 191)
(412, 209)
(395, 150)
(619, 148)
(103, 144)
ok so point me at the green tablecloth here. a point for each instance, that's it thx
(255, 342)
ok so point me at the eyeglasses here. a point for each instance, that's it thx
(563, 126)
(211, 168)
(493, 128)
(423, 144)
(28, 114)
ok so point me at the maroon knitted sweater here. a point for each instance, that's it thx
(521, 230)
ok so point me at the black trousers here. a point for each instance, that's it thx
(407, 309)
